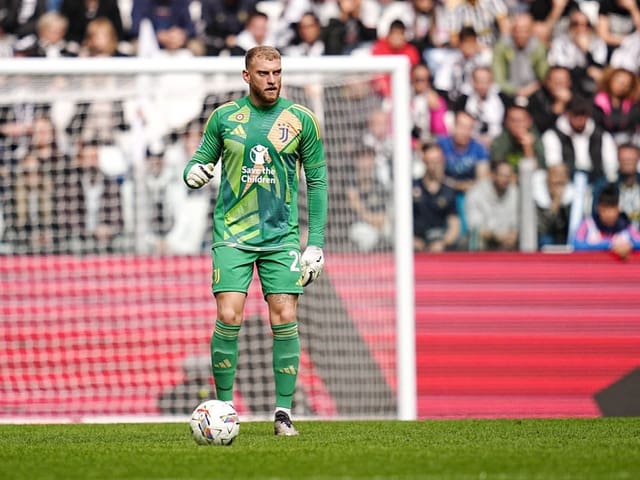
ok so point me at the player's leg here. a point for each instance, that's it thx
(286, 346)
(232, 274)
(279, 277)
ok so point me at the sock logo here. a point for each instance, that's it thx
(291, 370)
(223, 364)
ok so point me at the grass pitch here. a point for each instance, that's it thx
(462, 449)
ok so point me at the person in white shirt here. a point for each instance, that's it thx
(577, 141)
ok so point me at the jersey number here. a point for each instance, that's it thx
(295, 264)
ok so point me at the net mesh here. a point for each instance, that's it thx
(105, 303)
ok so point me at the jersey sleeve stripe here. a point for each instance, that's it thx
(310, 114)
(219, 108)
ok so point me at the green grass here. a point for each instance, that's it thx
(462, 449)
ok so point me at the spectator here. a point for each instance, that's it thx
(519, 139)
(20, 17)
(284, 16)
(91, 206)
(486, 104)
(627, 55)
(436, 224)
(6, 44)
(608, 228)
(53, 161)
(5, 247)
(101, 40)
(519, 60)
(428, 107)
(423, 19)
(51, 154)
(378, 137)
(617, 19)
(551, 18)
(190, 233)
(172, 23)
(482, 15)
(581, 51)
(16, 125)
(492, 210)
(395, 43)
(580, 143)
(453, 77)
(466, 158)
(102, 120)
(551, 99)
(347, 32)
(30, 216)
(466, 161)
(254, 33)
(223, 20)
(308, 40)
(369, 203)
(628, 182)
(617, 109)
(170, 221)
(80, 13)
(553, 195)
(48, 41)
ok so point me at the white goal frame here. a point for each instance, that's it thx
(398, 68)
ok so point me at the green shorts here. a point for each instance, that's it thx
(279, 270)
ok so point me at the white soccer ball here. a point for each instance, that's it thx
(214, 423)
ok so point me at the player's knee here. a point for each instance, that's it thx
(283, 315)
(229, 316)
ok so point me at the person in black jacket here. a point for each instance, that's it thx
(81, 12)
(19, 19)
(550, 101)
(346, 32)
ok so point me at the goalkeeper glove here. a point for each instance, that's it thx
(199, 175)
(311, 262)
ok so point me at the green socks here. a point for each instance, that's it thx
(224, 359)
(286, 358)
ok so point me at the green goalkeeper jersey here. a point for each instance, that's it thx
(261, 150)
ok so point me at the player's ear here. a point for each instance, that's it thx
(245, 75)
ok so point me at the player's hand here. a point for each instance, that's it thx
(311, 262)
(199, 175)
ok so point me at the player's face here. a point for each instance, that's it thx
(265, 80)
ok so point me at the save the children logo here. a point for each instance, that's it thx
(260, 172)
(259, 155)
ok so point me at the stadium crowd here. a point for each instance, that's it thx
(502, 92)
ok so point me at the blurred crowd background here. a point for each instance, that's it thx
(525, 122)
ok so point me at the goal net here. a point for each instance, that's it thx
(105, 302)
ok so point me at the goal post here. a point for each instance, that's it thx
(107, 326)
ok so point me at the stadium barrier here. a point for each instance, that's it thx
(497, 335)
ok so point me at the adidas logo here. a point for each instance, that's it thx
(291, 370)
(223, 364)
(239, 132)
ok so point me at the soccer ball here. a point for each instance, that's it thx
(214, 423)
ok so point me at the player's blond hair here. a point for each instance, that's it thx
(261, 51)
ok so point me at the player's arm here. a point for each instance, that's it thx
(199, 170)
(312, 260)
(317, 200)
(315, 169)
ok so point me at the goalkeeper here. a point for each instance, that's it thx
(262, 140)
